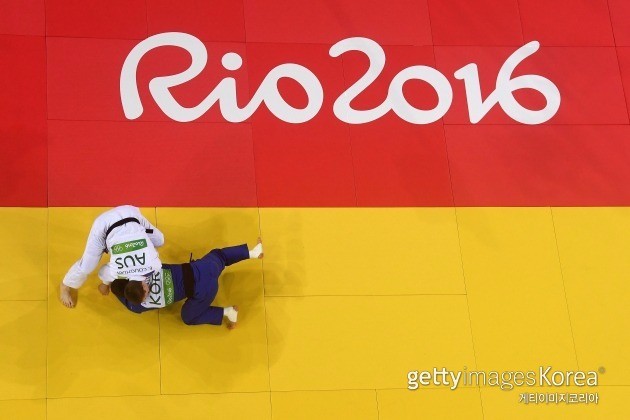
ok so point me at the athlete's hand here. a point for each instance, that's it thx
(104, 289)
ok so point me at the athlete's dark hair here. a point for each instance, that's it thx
(118, 287)
(134, 292)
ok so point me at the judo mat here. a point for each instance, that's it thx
(396, 241)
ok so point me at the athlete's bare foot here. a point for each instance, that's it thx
(262, 254)
(231, 325)
(65, 296)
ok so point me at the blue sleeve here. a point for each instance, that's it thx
(134, 308)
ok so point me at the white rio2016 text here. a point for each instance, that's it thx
(225, 92)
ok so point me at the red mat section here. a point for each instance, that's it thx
(196, 164)
(65, 140)
(84, 77)
(410, 169)
(216, 20)
(395, 22)
(124, 19)
(567, 22)
(479, 22)
(624, 65)
(25, 17)
(620, 16)
(309, 163)
(23, 171)
(398, 164)
(546, 165)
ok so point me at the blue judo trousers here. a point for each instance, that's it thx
(197, 309)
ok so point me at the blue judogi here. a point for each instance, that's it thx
(206, 271)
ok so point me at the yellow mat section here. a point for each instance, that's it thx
(23, 350)
(23, 409)
(314, 342)
(241, 406)
(316, 405)
(23, 253)
(402, 404)
(361, 252)
(518, 309)
(593, 245)
(345, 303)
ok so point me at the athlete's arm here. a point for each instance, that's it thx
(106, 274)
(104, 289)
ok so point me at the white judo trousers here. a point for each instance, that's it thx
(97, 243)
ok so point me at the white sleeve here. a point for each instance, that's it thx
(157, 237)
(106, 274)
(94, 248)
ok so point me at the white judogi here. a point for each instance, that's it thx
(131, 249)
(161, 290)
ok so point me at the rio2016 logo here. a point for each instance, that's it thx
(225, 92)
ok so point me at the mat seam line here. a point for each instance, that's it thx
(472, 339)
(444, 123)
(47, 202)
(435, 388)
(264, 297)
(146, 15)
(158, 317)
(167, 121)
(224, 41)
(459, 242)
(623, 87)
(344, 296)
(564, 288)
(354, 172)
(29, 300)
(262, 261)
(47, 300)
(520, 20)
(227, 41)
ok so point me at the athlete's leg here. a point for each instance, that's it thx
(197, 310)
(222, 257)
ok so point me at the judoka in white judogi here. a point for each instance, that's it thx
(129, 238)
